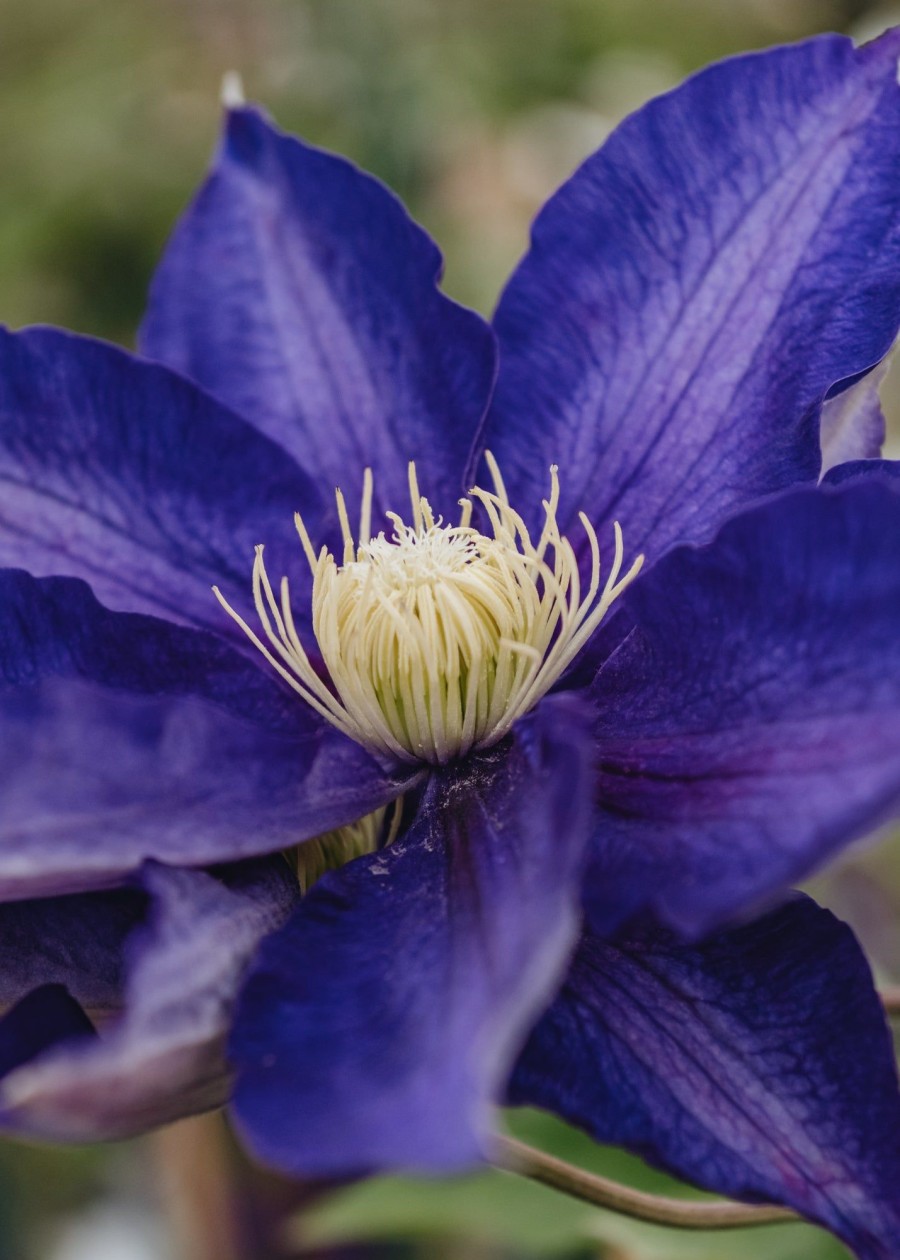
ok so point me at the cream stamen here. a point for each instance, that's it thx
(437, 639)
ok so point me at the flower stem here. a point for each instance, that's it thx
(515, 1156)
(196, 1187)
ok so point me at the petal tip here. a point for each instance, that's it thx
(231, 92)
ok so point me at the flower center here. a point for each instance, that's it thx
(314, 858)
(438, 638)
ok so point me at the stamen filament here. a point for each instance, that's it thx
(439, 638)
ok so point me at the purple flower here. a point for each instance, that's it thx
(556, 838)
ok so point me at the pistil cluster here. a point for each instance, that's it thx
(437, 638)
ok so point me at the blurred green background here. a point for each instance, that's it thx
(473, 110)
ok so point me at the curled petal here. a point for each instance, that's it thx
(853, 424)
(883, 469)
(758, 1065)
(163, 1057)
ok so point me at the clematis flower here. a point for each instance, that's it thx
(492, 800)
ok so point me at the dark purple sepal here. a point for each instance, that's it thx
(127, 737)
(73, 942)
(888, 469)
(696, 288)
(376, 1030)
(124, 474)
(44, 1019)
(758, 1065)
(748, 727)
(298, 290)
(163, 1057)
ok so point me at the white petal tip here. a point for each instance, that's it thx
(232, 91)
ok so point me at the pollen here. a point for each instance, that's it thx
(439, 637)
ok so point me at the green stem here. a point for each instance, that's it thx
(515, 1156)
(196, 1185)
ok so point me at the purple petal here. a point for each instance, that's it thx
(297, 290)
(71, 942)
(119, 472)
(853, 424)
(126, 737)
(749, 726)
(884, 469)
(695, 289)
(164, 1057)
(377, 1028)
(46, 1017)
(758, 1065)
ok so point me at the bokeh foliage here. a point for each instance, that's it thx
(472, 111)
